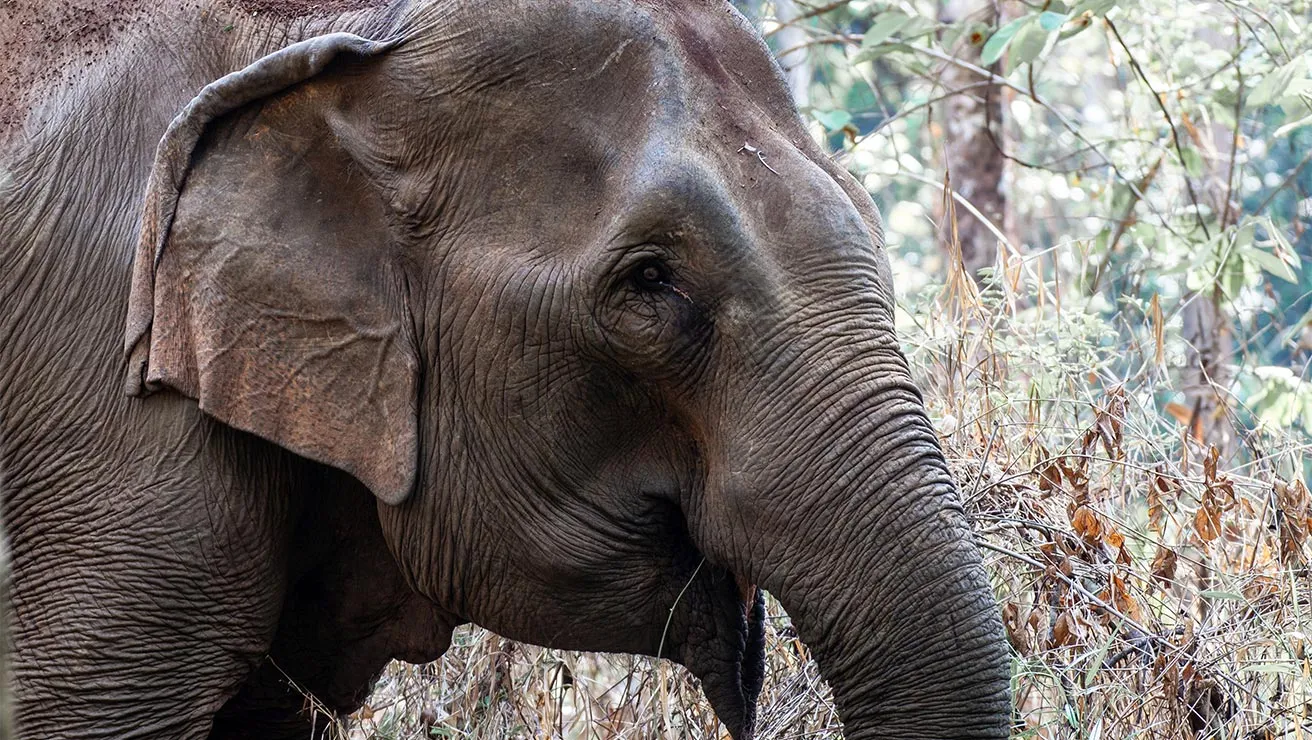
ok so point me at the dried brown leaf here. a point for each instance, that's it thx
(1086, 524)
(1207, 521)
(1164, 565)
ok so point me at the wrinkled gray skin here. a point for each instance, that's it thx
(6, 697)
(495, 320)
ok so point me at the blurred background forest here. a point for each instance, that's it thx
(1099, 217)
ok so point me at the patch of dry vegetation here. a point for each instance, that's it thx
(1152, 585)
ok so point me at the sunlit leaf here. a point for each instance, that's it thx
(1094, 7)
(1293, 126)
(884, 27)
(1051, 21)
(1193, 162)
(1277, 82)
(875, 52)
(998, 42)
(832, 120)
(1291, 668)
(1271, 264)
(1027, 45)
(1287, 251)
(919, 26)
(1282, 261)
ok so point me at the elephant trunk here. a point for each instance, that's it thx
(853, 522)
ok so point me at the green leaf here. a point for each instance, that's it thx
(1293, 125)
(1221, 595)
(1283, 260)
(998, 42)
(1143, 231)
(1276, 82)
(884, 27)
(1096, 7)
(1192, 161)
(1272, 264)
(1080, 23)
(1279, 236)
(875, 52)
(832, 120)
(1096, 664)
(1027, 46)
(919, 26)
(1052, 21)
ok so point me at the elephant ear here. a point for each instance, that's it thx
(264, 284)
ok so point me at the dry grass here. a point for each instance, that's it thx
(490, 687)
(1151, 587)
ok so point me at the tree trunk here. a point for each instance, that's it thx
(972, 125)
(1207, 371)
(796, 59)
(1210, 355)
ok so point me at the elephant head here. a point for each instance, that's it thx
(575, 295)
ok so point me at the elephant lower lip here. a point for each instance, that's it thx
(752, 664)
(732, 686)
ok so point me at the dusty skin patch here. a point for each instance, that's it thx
(301, 8)
(50, 43)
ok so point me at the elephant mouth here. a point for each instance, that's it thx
(726, 651)
(716, 628)
(751, 666)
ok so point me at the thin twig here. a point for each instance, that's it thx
(1293, 175)
(670, 617)
(1234, 143)
(1175, 133)
(985, 461)
(813, 12)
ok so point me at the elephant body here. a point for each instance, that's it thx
(439, 312)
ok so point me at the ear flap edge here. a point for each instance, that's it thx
(268, 299)
(266, 76)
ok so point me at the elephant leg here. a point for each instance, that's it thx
(126, 640)
(347, 612)
(142, 600)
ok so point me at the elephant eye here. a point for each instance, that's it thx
(652, 276)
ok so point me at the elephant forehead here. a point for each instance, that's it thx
(607, 60)
(574, 103)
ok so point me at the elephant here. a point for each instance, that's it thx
(330, 326)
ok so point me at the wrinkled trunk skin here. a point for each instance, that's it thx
(844, 509)
(6, 701)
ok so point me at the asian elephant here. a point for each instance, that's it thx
(546, 315)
